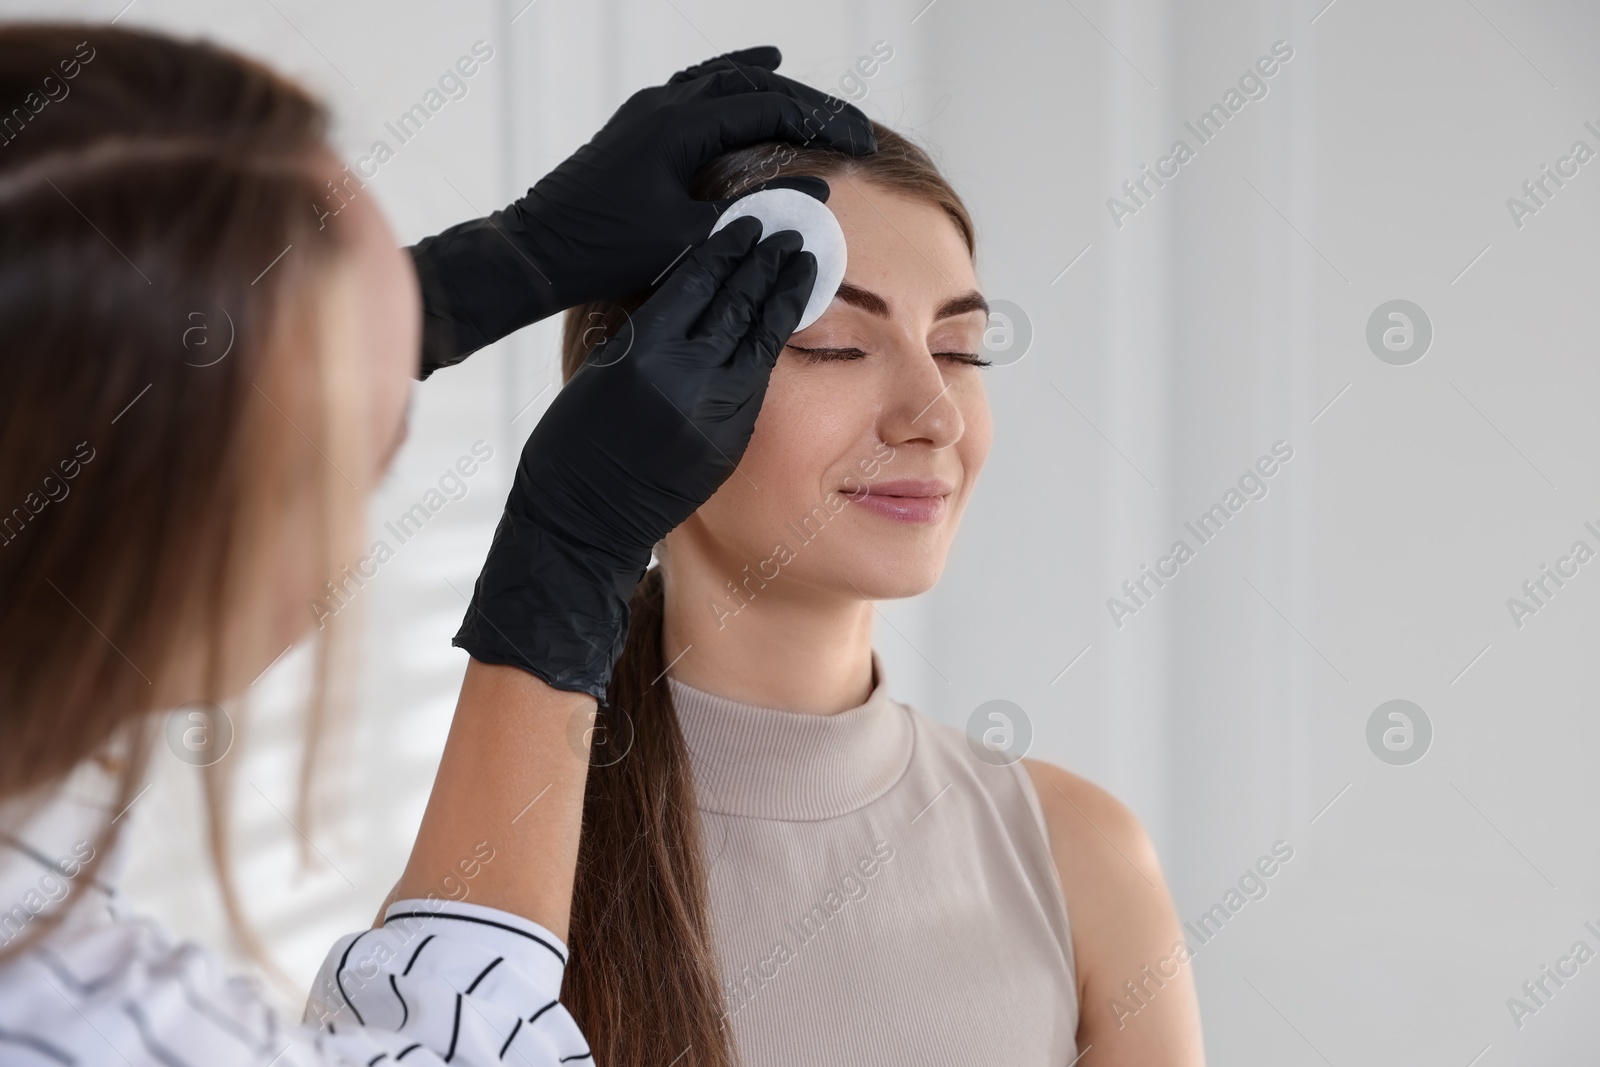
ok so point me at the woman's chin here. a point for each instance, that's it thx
(892, 577)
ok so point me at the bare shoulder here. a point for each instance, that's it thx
(1123, 924)
(1110, 873)
(1088, 826)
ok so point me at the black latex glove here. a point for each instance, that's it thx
(609, 220)
(652, 423)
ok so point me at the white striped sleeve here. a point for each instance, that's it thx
(447, 982)
(439, 983)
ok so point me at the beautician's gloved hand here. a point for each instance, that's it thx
(651, 424)
(610, 219)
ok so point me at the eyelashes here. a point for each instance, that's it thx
(830, 355)
(827, 355)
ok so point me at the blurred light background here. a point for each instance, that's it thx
(1172, 346)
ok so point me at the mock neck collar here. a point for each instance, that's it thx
(769, 763)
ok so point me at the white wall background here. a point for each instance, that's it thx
(1228, 314)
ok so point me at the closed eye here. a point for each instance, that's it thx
(819, 355)
(966, 357)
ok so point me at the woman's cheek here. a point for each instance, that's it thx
(980, 424)
(778, 437)
(814, 419)
(766, 439)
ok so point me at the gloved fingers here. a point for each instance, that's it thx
(750, 117)
(682, 299)
(732, 79)
(734, 395)
(737, 304)
(817, 104)
(765, 56)
(805, 183)
(780, 314)
(811, 113)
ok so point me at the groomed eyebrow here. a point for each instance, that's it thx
(961, 305)
(872, 303)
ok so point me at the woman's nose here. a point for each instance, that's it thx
(921, 404)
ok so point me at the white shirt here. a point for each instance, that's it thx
(439, 982)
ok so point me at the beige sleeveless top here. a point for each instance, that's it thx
(879, 895)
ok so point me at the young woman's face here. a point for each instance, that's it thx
(875, 423)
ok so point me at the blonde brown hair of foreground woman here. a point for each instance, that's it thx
(119, 581)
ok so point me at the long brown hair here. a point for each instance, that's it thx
(643, 981)
(168, 381)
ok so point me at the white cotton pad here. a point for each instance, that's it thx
(790, 209)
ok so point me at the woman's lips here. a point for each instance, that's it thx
(906, 500)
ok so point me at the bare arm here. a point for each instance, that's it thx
(501, 827)
(1124, 930)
